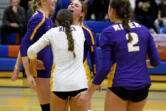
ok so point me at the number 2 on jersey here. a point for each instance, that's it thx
(131, 45)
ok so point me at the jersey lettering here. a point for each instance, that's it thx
(132, 45)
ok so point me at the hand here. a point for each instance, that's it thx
(100, 88)
(14, 8)
(31, 81)
(38, 64)
(148, 64)
(15, 74)
(15, 25)
(159, 46)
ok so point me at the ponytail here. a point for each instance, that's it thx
(125, 24)
(68, 32)
(124, 12)
(65, 19)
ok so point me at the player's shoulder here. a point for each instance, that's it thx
(140, 26)
(76, 27)
(37, 17)
(108, 30)
(56, 30)
(85, 27)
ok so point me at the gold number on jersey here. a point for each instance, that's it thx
(131, 45)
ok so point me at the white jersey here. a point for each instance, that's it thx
(68, 73)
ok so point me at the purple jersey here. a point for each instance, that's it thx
(37, 26)
(128, 59)
(90, 47)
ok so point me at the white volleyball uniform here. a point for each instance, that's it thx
(68, 73)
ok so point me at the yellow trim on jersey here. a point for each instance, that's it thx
(33, 70)
(88, 72)
(92, 49)
(94, 68)
(91, 35)
(38, 26)
(111, 75)
(51, 80)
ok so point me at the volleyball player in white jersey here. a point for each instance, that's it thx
(68, 77)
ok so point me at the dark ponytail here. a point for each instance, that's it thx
(124, 12)
(127, 28)
(69, 37)
(65, 19)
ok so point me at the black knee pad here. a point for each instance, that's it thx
(45, 107)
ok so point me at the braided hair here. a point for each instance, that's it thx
(65, 19)
(124, 12)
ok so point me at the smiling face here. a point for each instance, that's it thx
(76, 7)
(49, 4)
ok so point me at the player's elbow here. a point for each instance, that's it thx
(32, 52)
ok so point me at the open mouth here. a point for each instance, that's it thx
(71, 11)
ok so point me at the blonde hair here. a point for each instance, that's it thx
(84, 10)
(35, 5)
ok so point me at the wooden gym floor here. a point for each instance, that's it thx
(17, 96)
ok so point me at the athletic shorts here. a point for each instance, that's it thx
(65, 95)
(45, 55)
(43, 74)
(132, 95)
(39, 73)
